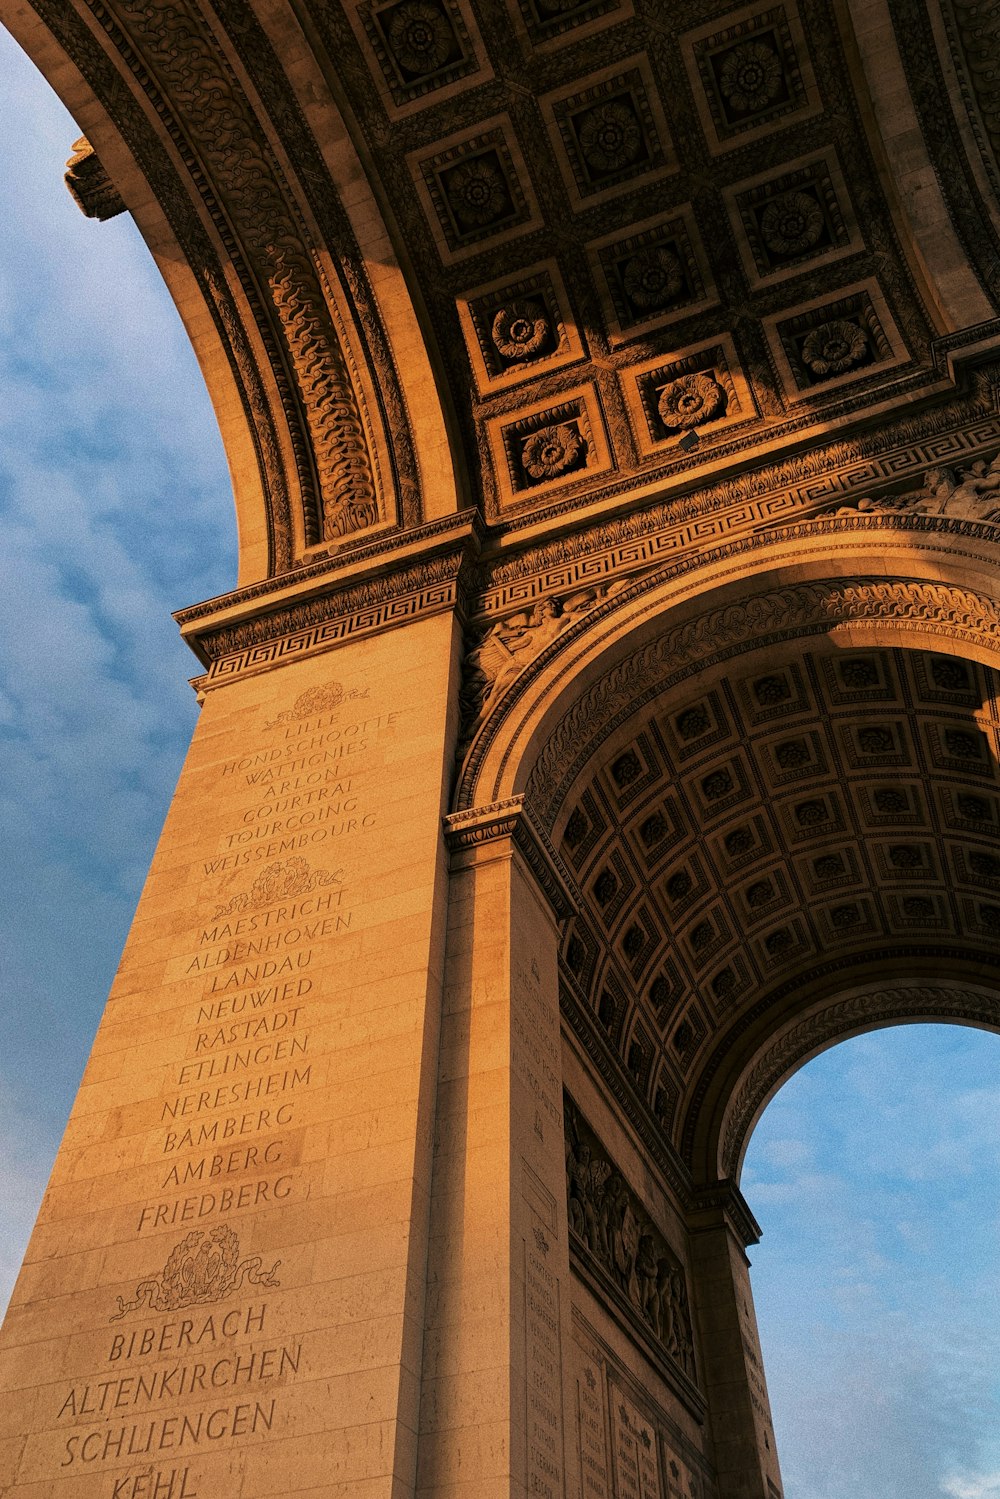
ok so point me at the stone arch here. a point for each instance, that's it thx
(826, 1024)
(258, 213)
(920, 580)
(672, 1044)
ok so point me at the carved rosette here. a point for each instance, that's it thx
(551, 451)
(690, 401)
(520, 331)
(791, 223)
(835, 347)
(750, 77)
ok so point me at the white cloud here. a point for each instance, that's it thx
(877, 1283)
(973, 1486)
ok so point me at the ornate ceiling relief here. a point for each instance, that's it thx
(730, 293)
(650, 247)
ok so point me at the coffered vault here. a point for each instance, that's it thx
(610, 394)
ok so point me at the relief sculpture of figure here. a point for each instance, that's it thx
(606, 1216)
(973, 494)
(583, 1211)
(675, 1317)
(645, 1274)
(504, 649)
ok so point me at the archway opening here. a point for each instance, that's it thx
(875, 1174)
(117, 508)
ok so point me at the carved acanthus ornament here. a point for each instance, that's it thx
(217, 119)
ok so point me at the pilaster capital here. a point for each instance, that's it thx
(513, 820)
(719, 1204)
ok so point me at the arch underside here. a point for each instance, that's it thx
(553, 262)
(777, 805)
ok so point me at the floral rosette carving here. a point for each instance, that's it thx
(835, 347)
(551, 451)
(610, 136)
(750, 77)
(420, 37)
(321, 699)
(652, 277)
(477, 192)
(791, 223)
(520, 331)
(690, 401)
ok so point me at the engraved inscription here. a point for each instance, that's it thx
(591, 1431)
(541, 1290)
(633, 1443)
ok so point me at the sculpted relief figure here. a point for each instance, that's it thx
(973, 493)
(501, 651)
(608, 1219)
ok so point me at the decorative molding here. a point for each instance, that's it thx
(833, 1023)
(253, 629)
(514, 820)
(340, 568)
(218, 121)
(319, 623)
(89, 184)
(724, 1196)
(797, 491)
(746, 466)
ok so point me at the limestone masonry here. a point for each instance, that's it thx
(605, 722)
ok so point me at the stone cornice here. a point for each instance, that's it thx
(419, 572)
(89, 184)
(514, 820)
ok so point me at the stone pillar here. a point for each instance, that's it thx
(224, 1293)
(492, 1411)
(746, 1461)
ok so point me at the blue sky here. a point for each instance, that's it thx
(875, 1172)
(116, 508)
